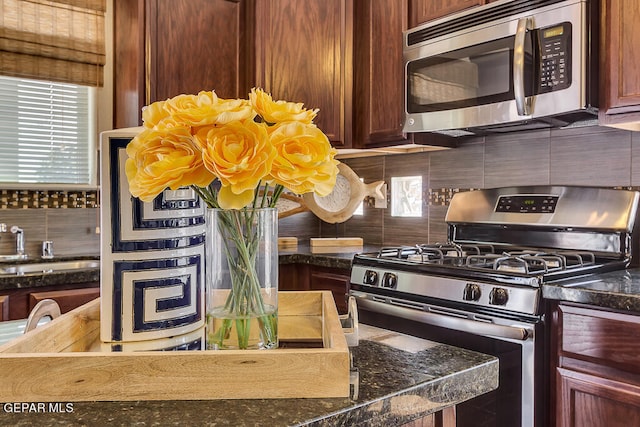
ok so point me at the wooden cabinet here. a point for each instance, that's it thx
(4, 307)
(303, 53)
(68, 297)
(335, 280)
(619, 62)
(378, 72)
(597, 367)
(421, 11)
(163, 48)
(592, 401)
(304, 277)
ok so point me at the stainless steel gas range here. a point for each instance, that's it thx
(482, 289)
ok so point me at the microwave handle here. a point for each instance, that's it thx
(523, 104)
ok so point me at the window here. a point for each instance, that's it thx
(47, 133)
(406, 196)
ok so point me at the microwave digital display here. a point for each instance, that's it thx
(553, 32)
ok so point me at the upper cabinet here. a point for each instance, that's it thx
(620, 63)
(163, 48)
(421, 11)
(378, 72)
(343, 57)
(303, 53)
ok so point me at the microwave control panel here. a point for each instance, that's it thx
(555, 57)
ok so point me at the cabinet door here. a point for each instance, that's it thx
(303, 54)
(379, 72)
(599, 337)
(421, 11)
(66, 299)
(293, 277)
(619, 62)
(164, 48)
(4, 307)
(597, 367)
(332, 279)
(192, 46)
(590, 401)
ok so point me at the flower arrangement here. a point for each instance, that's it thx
(238, 155)
(196, 140)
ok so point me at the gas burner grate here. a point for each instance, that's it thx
(437, 252)
(530, 261)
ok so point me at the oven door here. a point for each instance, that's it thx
(516, 343)
(512, 69)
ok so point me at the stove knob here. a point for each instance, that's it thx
(370, 278)
(471, 292)
(389, 280)
(498, 296)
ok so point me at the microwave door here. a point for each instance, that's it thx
(470, 86)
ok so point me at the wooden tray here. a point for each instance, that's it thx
(58, 362)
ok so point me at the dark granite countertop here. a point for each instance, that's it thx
(617, 290)
(35, 280)
(401, 378)
(302, 254)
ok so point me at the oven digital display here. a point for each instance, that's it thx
(527, 204)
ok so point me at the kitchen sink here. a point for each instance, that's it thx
(50, 267)
(14, 257)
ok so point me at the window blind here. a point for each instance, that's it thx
(58, 40)
(45, 132)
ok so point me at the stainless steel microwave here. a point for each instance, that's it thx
(508, 65)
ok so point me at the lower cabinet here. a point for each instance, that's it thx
(17, 303)
(67, 299)
(4, 307)
(594, 401)
(597, 367)
(304, 277)
(444, 418)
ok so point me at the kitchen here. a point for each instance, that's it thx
(350, 91)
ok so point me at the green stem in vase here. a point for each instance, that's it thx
(245, 300)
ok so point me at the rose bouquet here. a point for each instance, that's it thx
(239, 155)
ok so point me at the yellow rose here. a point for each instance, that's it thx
(154, 114)
(239, 155)
(165, 158)
(279, 111)
(231, 110)
(207, 109)
(305, 160)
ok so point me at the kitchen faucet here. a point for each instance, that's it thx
(19, 232)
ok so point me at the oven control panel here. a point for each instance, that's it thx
(384, 281)
(527, 203)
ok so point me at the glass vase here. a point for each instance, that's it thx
(242, 279)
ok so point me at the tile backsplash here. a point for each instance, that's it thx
(593, 156)
(72, 230)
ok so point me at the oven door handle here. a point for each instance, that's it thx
(443, 320)
(523, 104)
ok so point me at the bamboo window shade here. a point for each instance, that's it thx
(61, 40)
